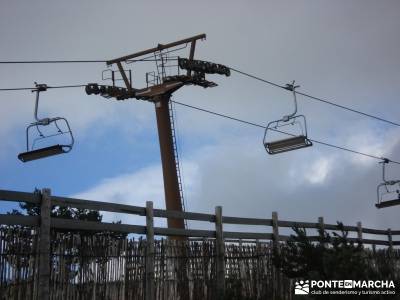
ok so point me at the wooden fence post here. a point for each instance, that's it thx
(44, 245)
(150, 295)
(389, 233)
(220, 245)
(321, 227)
(359, 232)
(276, 285)
(275, 231)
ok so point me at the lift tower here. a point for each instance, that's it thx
(160, 87)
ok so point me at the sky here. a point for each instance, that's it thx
(344, 51)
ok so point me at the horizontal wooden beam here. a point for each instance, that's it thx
(247, 235)
(19, 220)
(98, 205)
(95, 226)
(297, 224)
(183, 232)
(314, 225)
(19, 196)
(375, 231)
(162, 213)
(247, 221)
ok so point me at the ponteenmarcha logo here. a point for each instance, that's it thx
(345, 287)
(353, 284)
(302, 287)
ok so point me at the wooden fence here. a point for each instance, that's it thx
(142, 263)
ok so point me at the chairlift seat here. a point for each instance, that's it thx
(32, 152)
(284, 145)
(387, 203)
(383, 191)
(41, 153)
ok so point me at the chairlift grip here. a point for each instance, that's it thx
(40, 88)
(384, 162)
(291, 87)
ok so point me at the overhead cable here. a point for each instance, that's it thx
(228, 117)
(317, 98)
(264, 127)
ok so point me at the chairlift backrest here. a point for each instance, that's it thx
(61, 128)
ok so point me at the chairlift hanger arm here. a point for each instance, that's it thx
(39, 88)
(384, 162)
(291, 87)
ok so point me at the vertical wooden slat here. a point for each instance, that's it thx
(275, 245)
(275, 230)
(220, 251)
(35, 276)
(44, 245)
(149, 251)
(321, 227)
(390, 240)
(359, 232)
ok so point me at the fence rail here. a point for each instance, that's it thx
(35, 198)
(45, 200)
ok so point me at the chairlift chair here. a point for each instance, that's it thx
(387, 189)
(32, 151)
(295, 141)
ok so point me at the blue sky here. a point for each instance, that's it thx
(332, 49)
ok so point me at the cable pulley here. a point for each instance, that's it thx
(203, 66)
(108, 91)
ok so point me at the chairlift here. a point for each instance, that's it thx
(296, 141)
(387, 190)
(34, 137)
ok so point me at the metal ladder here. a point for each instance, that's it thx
(160, 65)
(178, 172)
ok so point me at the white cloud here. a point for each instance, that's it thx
(380, 143)
(300, 185)
(319, 171)
(240, 176)
(135, 189)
